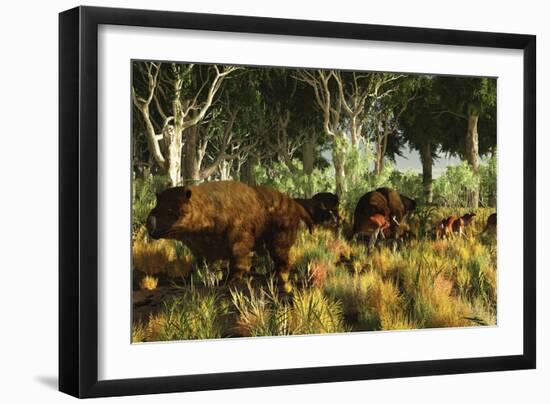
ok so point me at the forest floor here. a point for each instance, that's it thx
(339, 286)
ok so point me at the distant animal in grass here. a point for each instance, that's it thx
(331, 202)
(386, 203)
(446, 227)
(228, 220)
(467, 219)
(320, 215)
(491, 225)
(453, 225)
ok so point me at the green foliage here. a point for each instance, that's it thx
(295, 183)
(408, 183)
(453, 188)
(145, 197)
(487, 172)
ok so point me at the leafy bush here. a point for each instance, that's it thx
(295, 182)
(144, 198)
(408, 183)
(454, 186)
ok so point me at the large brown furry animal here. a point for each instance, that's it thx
(370, 204)
(319, 214)
(386, 202)
(230, 220)
(331, 202)
(398, 204)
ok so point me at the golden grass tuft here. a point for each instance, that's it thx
(381, 262)
(314, 313)
(318, 271)
(148, 282)
(153, 257)
(160, 256)
(339, 248)
(440, 246)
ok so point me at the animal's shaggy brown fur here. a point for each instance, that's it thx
(491, 225)
(319, 214)
(370, 204)
(230, 220)
(386, 202)
(331, 202)
(398, 204)
(453, 225)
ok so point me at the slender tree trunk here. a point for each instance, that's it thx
(427, 165)
(472, 152)
(308, 160)
(225, 168)
(338, 155)
(173, 140)
(248, 169)
(381, 147)
(308, 156)
(379, 166)
(356, 129)
(191, 164)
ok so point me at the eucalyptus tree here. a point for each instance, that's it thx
(347, 101)
(424, 131)
(469, 106)
(173, 99)
(385, 115)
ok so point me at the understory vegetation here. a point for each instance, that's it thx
(340, 286)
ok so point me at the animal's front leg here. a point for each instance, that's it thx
(241, 259)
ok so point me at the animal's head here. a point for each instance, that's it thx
(410, 204)
(171, 208)
(468, 217)
(438, 230)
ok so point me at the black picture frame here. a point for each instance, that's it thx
(78, 201)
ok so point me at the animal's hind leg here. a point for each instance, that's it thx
(374, 238)
(279, 249)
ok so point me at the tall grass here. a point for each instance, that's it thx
(340, 286)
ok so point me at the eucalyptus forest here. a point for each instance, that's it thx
(304, 132)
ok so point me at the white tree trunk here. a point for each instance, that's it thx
(173, 140)
(472, 153)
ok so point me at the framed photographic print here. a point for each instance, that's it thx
(251, 201)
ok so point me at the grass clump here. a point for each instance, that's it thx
(148, 282)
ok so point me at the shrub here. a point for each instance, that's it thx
(294, 182)
(144, 198)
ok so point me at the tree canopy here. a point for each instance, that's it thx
(199, 122)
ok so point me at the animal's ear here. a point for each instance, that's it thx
(187, 194)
